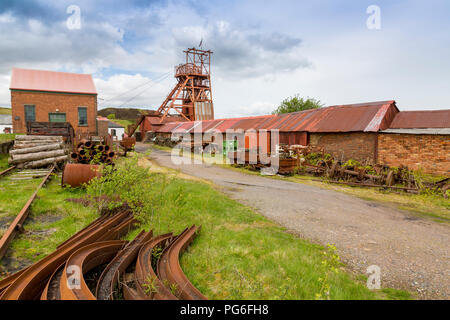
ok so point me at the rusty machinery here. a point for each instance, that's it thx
(191, 97)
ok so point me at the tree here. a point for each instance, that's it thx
(297, 103)
(111, 116)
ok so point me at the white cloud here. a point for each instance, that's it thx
(132, 90)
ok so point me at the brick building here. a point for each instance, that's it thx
(48, 96)
(417, 139)
(374, 132)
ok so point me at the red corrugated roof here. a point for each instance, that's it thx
(364, 117)
(40, 80)
(421, 119)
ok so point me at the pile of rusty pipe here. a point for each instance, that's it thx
(32, 281)
(87, 150)
(144, 270)
(110, 275)
(16, 225)
(169, 269)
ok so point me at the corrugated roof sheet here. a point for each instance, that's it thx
(40, 80)
(364, 117)
(442, 131)
(421, 119)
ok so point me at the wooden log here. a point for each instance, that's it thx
(31, 137)
(35, 143)
(45, 162)
(21, 158)
(45, 147)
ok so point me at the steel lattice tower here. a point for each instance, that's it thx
(191, 97)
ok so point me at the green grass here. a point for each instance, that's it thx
(3, 162)
(240, 254)
(6, 136)
(52, 220)
(123, 123)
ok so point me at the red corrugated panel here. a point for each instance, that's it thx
(345, 118)
(249, 123)
(39, 80)
(168, 127)
(421, 119)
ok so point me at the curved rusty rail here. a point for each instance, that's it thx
(145, 273)
(32, 281)
(85, 259)
(110, 275)
(169, 269)
(4, 172)
(16, 225)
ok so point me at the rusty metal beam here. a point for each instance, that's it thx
(169, 269)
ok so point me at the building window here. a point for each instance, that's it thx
(113, 132)
(57, 117)
(82, 116)
(30, 114)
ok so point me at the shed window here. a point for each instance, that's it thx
(82, 116)
(30, 114)
(57, 117)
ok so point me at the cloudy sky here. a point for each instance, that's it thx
(264, 51)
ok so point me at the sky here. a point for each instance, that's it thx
(336, 51)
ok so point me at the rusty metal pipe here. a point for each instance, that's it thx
(76, 174)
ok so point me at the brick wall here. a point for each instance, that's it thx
(47, 102)
(359, 146)
(430, 152)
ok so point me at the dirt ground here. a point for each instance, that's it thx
(412, 252)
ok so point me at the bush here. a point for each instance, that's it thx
(128, 184)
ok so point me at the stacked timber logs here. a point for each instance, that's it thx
(88, 151)
(37, 151)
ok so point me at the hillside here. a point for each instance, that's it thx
(4, 110)
(123, 113)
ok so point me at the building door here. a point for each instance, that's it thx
(57, 117)
(30, 114)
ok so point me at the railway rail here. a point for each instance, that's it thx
(17, 224)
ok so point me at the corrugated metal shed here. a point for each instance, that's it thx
(40, 80)
(364, 117)
(421, 119)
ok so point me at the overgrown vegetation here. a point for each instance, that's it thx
(3, 162)
(238, 254)
(52, 220)
(6, 136)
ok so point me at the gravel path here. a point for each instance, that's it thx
(412, 252)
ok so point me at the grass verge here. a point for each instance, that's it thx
(51, 221)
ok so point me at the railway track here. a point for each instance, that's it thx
(17, 225)
(5, 172)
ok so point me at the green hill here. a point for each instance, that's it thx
(123, 113)
(4, 110)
